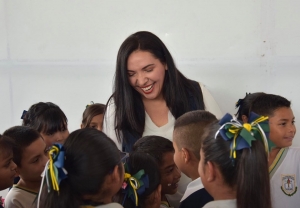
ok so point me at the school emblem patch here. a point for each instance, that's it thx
(289, 184)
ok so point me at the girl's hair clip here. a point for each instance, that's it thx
(23, 114)
(135, 185)
(242, 135)
(91, 103)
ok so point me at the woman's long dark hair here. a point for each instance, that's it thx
(89, 157)
(177, 89)
(249, 174)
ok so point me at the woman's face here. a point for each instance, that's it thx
(146, 74)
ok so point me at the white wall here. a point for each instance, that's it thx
(65, 51)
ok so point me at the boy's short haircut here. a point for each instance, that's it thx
(156, 146)
(22, 136)
(6, 146)
(267, 104)
(189, 129)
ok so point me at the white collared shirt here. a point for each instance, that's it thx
(193, 186)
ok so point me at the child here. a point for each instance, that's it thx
(244, 105)
(49, 120)
(93, 116)
(187, 144)
(92, 172)
(30, 155)
(148, 194)
(162, 150)
(234, 172)
(284, 166)
(7, 165)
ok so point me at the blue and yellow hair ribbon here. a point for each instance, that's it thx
(242, 135)
(56, 172)
(136, 185)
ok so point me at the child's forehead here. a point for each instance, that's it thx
(167, 160)
(282, 113)
(35, 148)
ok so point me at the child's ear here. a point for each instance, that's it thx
(186, 155)
(212, 171)
(244, 119)
(116, 175)
(81, 126)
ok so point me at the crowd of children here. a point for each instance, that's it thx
(225, 168)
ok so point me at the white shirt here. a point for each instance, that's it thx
(19, 198)
(230, 203)
(193, 186)
(110, 205)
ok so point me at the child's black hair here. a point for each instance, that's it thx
(45, 118)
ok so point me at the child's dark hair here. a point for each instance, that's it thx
(267, 104)
(244, 104)
(45, 118)
(140, 161)
(89, 157)
(156, 146)
(189, 128)
(250, 173)
(91, 111)
(6, 146)
(23, 136)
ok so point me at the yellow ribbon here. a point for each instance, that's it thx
(134, 184)
(54, 181)
(235, 130)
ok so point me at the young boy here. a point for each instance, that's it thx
(187, 141)
(163, 152)
(284, 161)
(30, 155)
(7, 166)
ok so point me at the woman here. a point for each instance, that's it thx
(149, 94)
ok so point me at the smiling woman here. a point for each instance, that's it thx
(149, 94)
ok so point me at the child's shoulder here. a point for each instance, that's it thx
(294, 152)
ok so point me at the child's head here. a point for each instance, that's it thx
(187, 141)
(95, 171)
(244, 105)
(137, 162)
(163, 152)
(7, 166)
(244, 178)
(30, 152)
(92, 117)
(281, 118)
(49, 120)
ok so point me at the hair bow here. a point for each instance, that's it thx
(135, 185)
(56, 172)
(242, 135)
(23, 114)
(89, 104)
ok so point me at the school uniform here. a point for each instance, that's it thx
(285, 178)
(230, 203)
(195, 195)
(19, 197)
(165, 131)
(110, 205)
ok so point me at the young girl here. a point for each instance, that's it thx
(88, 174)
(93, 116)
(244, 105)
(235, 172)
(49, 120)
(141, 169)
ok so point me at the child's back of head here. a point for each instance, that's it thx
(49, 120)
(7, 166)
(244, 105)
(281, 118)
(92, 116)
(234, 172)
(94, 170)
